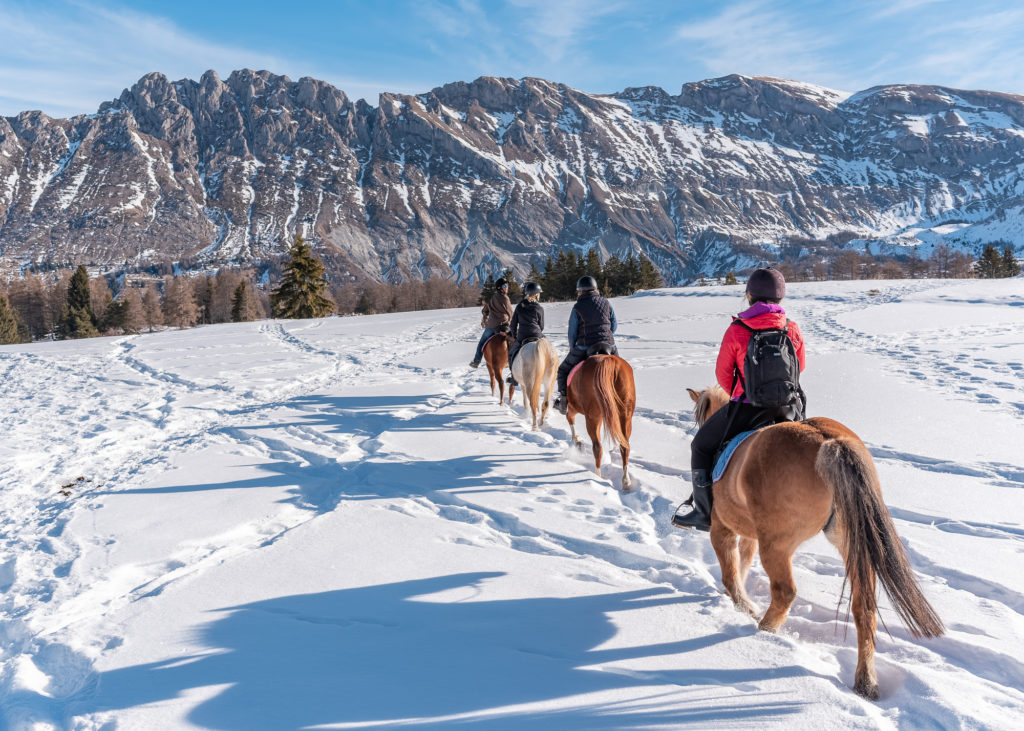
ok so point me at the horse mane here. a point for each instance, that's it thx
(711, 400)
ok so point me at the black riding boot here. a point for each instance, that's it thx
(700, 516)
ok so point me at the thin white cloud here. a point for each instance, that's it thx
(69, 61)
(556, 29)
(516, 37)
(890, 8)
(758, 38)
(981, 50)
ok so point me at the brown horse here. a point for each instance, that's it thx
(603, 391)
(784, 485)
(496, 357)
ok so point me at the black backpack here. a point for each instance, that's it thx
(771, 369)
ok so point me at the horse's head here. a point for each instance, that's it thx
(707, 402)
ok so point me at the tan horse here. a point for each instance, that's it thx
(784, 485)
(603, 391)
(536, 366)
(496, 357)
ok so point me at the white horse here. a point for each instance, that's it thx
(536, 365)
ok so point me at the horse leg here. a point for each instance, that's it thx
(626, 482)
(576, 441)
(723, 540)
(748, 547)
(594, 430)
(534, 401)
(548, 386)
(865, 680)
(778, 564)
(626, 424)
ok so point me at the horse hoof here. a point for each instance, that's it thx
(866, 688)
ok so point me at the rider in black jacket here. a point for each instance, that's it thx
(592, 322)
(527, 323)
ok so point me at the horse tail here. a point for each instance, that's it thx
(605, 372)
(872, 546)
(550, 362)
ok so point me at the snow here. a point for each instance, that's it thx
(332, 524)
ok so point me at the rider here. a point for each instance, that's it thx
(497, 312)
(765, 290)
(591, 323)
(527, 323)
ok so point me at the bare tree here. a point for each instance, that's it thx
(180, 308)
(152, 312)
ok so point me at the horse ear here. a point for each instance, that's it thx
(693, 394)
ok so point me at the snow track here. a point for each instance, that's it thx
(309, 517)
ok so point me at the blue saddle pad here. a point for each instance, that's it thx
(727, 453)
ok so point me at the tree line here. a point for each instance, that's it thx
(66, 304)
(943, 263)
(616, 277)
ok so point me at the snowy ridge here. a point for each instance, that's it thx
(294, 524)
(228, 170)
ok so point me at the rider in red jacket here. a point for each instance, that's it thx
(765, 290)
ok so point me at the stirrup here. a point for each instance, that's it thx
(693, 519)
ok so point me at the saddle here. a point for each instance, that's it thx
(496, 335)
(723, 456)
(602, 349)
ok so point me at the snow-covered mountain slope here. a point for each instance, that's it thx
(332, 524)
(472, 177)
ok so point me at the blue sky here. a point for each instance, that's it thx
(66, 57)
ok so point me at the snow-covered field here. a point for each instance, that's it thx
(332, 524)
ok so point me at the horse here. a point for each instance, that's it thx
(536, 366)
(496, 357)
(603, 391)
(785, 484)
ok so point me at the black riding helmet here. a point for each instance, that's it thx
(586, 283)
(501, 283)
(531, 288)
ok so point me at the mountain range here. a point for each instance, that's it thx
(471, 178)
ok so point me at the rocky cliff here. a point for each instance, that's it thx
(472, 177)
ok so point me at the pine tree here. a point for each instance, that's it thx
(11, 328)
(487, 291)
(592, 264)
(303, 283)
(730, 278)
(990, 265)
(77, 318)
(650, 277)
(1010, 266)
(116, 316)
(611, 274)
(535, 275)
(515, 292)
(243, 306)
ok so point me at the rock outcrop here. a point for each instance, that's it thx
(472, 177)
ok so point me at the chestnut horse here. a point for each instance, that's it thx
(784, 485)
(536, 366)
(603, 391)
(496, 357)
